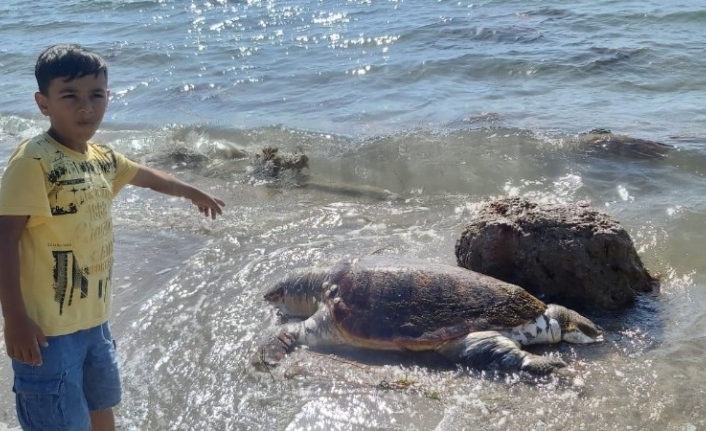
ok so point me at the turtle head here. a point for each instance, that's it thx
(575, 328)
(299, 293)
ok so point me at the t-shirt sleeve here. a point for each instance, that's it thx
(125, 171)
(23, 189)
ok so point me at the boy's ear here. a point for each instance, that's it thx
(42, 102)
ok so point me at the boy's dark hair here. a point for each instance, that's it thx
(68, 61)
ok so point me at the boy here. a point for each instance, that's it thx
(56, 249)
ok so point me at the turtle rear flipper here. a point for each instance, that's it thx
(490, 350)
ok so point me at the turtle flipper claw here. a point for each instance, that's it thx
(270, 354)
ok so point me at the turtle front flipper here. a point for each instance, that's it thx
(271, 353)
(317, 330)
(490, 350)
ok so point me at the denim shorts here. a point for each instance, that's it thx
(79, 373)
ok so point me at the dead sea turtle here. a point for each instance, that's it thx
(390, 303)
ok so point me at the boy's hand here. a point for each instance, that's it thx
(23, 338)
(208, 205)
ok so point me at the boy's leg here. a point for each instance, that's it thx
(102, 420)
(50, 396)
(101, 378)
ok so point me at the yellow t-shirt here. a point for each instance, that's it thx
(66, 249)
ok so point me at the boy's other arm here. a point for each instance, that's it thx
(164, 183)
(22, 334)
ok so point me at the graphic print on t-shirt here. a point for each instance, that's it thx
(82, 190)
(77, 183)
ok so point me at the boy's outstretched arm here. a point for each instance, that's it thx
(162, 182)
(22, 335)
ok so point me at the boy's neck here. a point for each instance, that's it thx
(79, 147)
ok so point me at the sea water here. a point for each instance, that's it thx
(411, 112)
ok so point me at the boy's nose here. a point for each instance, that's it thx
(85, 108)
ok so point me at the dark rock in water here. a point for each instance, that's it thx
(186, 156)
(273, 162)
(622, 145)
(571, 254)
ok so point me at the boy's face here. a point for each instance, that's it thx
(75, 108)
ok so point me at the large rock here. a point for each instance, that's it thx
(570, 254)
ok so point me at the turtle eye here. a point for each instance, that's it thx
(275, 294)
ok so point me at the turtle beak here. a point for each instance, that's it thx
(584, 332)
(578, 337)
(282, 312)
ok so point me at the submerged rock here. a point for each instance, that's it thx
(622, 145)
(571, 254)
